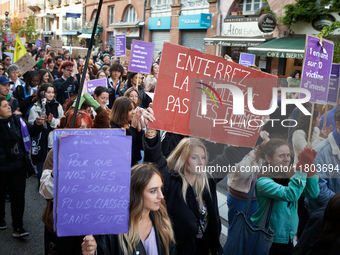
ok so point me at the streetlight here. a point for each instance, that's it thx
(6, 20)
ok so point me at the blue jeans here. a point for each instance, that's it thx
(237, 205)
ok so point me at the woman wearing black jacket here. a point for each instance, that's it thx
(124, 116)
(15, 165)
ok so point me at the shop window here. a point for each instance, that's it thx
(251, 5)
(130, 15)
(194, 3)
(160, 5)
(111, 15)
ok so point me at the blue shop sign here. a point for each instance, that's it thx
(73, 15)
(160, 23)
(197, 21)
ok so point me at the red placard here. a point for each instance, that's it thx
(186, 74)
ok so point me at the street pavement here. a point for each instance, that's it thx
(34, 243)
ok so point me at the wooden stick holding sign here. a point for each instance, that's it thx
(325, 117)
(311, 124)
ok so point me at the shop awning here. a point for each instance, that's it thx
(87, 36)
(234, 41)
(285, 47)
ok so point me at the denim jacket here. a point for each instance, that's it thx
(284, 219)
(329, 182)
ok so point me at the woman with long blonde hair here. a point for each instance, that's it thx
(190, 193)
(150, 230)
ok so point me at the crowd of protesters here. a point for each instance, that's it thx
(173, 201)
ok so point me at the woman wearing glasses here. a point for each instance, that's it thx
(67, 85)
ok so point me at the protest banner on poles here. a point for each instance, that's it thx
(188, 77)
(92, 84)
(93, 191)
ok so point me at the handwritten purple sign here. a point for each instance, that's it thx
(333, 89)
(57, 133)
(93, 188)
(317, 69)
(38, 43)
(246, 59)
(92, 84)
(141, 57)
(120, 45)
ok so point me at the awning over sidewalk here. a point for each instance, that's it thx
(234, 42)
(285, 47)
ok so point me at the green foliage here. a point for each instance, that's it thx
(30, 29)
(307, 10)
(326, 33)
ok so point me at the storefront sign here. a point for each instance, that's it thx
(120, 45)
(226, 43)
(242, 27)
(275, 54)
(128, 31)
(160, 23)
(197, 21)
(267, 23)
(317, 68)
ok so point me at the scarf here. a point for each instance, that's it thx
(25, 135)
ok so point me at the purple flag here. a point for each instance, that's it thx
(43, 40)
(141, 57)
(317, 69)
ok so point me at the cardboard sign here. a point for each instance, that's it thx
(120, 45)
(317, 68)
(25, 63)
(56, 45)
(141, 57)
(93, 188)
(180, 94)
(247, 59)
(92, 84)
(78, 53)
(333, 88)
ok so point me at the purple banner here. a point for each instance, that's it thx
(93, 188)
(141, 57)
(38, 43)
(59, 132)
(333, 89)
(246, 59)
(120, 45)
(317, 69)
(92, 84)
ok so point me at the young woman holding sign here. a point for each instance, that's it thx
(284, 186)
(190, 193)
(123, 115)
(150, 230)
